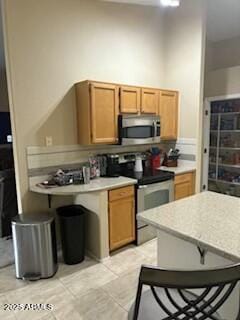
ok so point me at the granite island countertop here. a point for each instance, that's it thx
(208, 219)
(99, 184)
(184, 166)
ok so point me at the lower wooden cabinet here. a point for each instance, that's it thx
(121, 217)
(184, 185)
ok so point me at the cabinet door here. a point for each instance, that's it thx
(168, 110)
(130, 99)
(104, 112)
(183, 190)
(184, 185)
(121, 222)
(149, 101)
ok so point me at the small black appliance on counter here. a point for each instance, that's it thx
(113, 167)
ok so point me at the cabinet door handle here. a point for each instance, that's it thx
(142, 187)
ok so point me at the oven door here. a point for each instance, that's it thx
(149, 197)
(139, 130)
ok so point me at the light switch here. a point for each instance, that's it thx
(49, 141)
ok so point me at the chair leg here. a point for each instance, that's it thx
(137, 302)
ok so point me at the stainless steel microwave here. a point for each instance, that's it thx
(135, 129)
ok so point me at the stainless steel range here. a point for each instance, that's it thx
(151, 196)
(154, 188)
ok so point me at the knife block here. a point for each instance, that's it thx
(170, 162)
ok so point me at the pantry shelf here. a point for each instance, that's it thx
(237, 166)
(224, 181)
(226, 113)
(224, 149)
(225, 131)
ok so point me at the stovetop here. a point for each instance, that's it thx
(148, 176)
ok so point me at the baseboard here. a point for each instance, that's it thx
(91, 255)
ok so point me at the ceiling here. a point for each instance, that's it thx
(223, 17)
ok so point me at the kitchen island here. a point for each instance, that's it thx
(198, 232)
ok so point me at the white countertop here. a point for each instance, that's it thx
(99, 184)
(184, 166)
(208, 219)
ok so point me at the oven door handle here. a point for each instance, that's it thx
(165, 185)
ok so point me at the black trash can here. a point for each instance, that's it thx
(72, 228)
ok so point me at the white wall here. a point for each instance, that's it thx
(185, 38)
(223, 54)
(222, 82)
(184, 70)
(52, 44)
(222, 75)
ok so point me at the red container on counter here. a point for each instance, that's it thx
(155, 161)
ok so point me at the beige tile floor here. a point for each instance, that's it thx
(88, 291)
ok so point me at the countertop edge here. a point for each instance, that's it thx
(188, 238)
(184, 166)
(181, 171)
(185, 171)
(53, 191)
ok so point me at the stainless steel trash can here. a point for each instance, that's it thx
(35, 249)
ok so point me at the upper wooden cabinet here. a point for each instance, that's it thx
(104, 112)
(149, 101)
(138, 100)
(168, 110)
(130, 98)
(97, 108)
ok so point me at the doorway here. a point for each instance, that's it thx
(8, 195)
(221, 167)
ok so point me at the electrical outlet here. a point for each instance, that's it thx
(49, 141)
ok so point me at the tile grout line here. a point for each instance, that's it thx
(97, 288)
(115, 274)
(100, 263)
(113, 299)
(68, 291)
(137, 250)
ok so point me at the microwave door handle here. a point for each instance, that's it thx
(154, 129)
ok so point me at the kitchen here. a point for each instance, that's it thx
(135, 126)
(147, 66)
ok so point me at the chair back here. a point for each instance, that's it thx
(216, 287)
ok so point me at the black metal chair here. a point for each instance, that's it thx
(169, 297)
